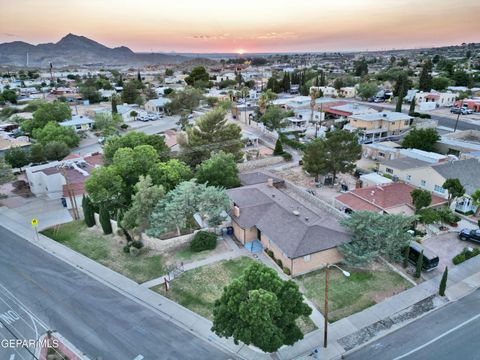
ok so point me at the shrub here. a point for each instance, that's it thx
(134, 251)
(425, 116)
(126, 249)
(270, 253)
(124, 126)
(287, 156)
(137, 244)
(286, 270)
(278, 148)
(279, 263)
(458, 259)
(105, 221)
(465, 255)
(203, 240)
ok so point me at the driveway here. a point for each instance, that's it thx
(446, 246)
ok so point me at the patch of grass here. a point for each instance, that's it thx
(105, 250)
(306, 324)
(348, 295)
(198, 289)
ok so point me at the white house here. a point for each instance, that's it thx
(78, 123)
(157, 105)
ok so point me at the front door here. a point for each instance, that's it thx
(259, 235)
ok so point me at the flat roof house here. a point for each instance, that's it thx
(78, 123)
(302, 239)
(157, 105)
(379, 125)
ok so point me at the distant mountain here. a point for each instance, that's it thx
(77, 50)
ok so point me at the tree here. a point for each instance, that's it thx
(54, 132)
(278, 147)
(133, 139)
(104, 218)
(402, 83)
(360, 67)
(106, 188)
(146, 197)
(50, 112)
(398, 105)
(422, 139)
(476, 200)
(443, 282)
(274, 118)
(335, 154)
(375, 235)
(455, 189)
(220, 170)
(440, 83)
(198, 78)
(6, 174)
(211, 134)
(37, 153)
(418, 268)
(17, 157)
(260, 309)
(406, 256)
(411, 110)
(108, 124)
(169, 72)
(367, 90)
(130, 93)
(425, 79)
(88, 211)
(421, 199)
(91, 94)
(169, 174)
(179, 205)
(55, 150)
(266, 99)
(186, 100)
(114, 104)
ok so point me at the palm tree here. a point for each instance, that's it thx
(314, 95)
(265, 99)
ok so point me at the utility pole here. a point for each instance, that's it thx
(458, 117)
(71, 196)
(325, 326)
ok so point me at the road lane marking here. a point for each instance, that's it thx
(438, 337)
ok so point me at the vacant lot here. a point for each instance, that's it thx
(105, 250)
(348, 295)
(198, 289)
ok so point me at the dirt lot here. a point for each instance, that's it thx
(297, 176)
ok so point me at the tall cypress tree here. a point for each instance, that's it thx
(418, 269)
(411, 111)
(88, 211)
(443, 282)
(105, 221)
(114, 104)
(323, 81)
(278, 147)
(406, 255)
(398, 106)
(425, 79)
(139, 77)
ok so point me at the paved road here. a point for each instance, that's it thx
(448, 333)
(96, 319)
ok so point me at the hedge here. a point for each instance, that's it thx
(465, 255)
(203, 240)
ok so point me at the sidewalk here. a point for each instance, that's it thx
(170, 310)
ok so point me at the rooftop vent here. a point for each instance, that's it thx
(296, 212)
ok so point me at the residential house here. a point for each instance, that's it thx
(78, 123)
(373, 179)
(431, 177)
(264, 216)
(473, 104)
(460, 143)
(380, 125)
(327, 91)
(390, 198)
(7, 142)
(342, 110)
(157, 106)
(60, 179)
(347, 92)
(439, 99)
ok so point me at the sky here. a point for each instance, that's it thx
(245, 25)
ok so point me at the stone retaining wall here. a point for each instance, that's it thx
(255, 164)
(162, 245)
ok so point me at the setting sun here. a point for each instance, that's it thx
(240, 51)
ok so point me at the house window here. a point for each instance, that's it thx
(439, 189)
(407, 122)
(381, 154)
(389, 171)
(423, 183)
(306, 258)
(408, 177)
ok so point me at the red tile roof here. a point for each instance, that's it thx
(377, 198)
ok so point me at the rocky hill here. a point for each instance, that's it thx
(77, 50)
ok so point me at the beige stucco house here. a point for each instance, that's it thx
(302, 239)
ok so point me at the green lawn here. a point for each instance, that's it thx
(348, 295)
(198, 289)
(105, 250)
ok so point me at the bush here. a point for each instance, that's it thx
(134, 251)
(203, 240)
(126, 249)
(137, 244)
(425, 116)
(279, 263)
(124, 126)
(465, 255)
(105, 221)
(270, 253)
(458, 259)
(286, 270)
(287, 156)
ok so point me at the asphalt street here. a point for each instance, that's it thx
(445, 334)
(40, 292)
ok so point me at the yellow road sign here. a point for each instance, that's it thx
(34, 222)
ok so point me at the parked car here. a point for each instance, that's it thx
(470, 235)
(462, 111)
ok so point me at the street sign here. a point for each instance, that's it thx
(34, 222)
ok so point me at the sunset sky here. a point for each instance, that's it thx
(245, 25)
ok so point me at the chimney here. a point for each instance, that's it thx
(236, 211)
(270, 182)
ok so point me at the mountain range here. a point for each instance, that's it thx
(78, 50)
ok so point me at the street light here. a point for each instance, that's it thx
(346, 274)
